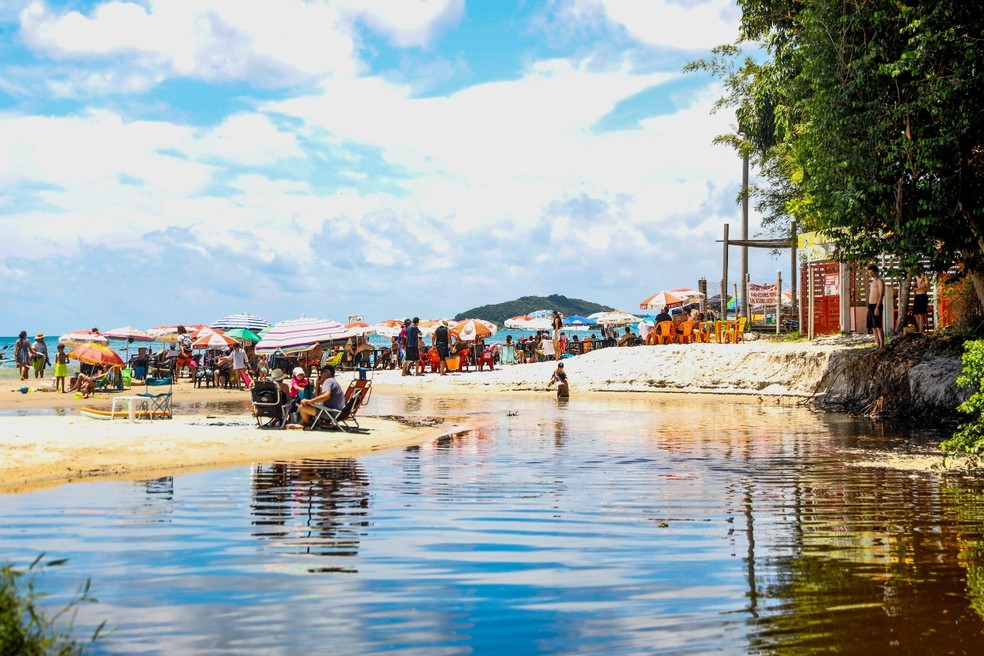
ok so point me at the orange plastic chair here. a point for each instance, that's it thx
(687, 334)
(664, 332)
(735, 331)
(432, 359)
(465, 359)
(585, 345)
(486, 358)
(702, 332)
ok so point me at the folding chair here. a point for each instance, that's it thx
(333, 419)
(161, 406)
(270, 407)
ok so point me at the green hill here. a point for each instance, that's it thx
(499, 312)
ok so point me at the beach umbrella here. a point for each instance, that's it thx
(95, 353)
(692, 295)
(471, 329)
(243, 335)
(543, 314)
(213, 339)
(663, 299)
(242, 320)
(296, 335)
(617, 317)
(358, 329)
(169, 333)
(576, 320)
(83, 337)
(527, 322)
(129, 333)
(389, 327)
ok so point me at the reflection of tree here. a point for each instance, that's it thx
(871, 567)
(314, 506)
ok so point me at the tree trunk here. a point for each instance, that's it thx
(903, 301)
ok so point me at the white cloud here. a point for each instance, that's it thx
(684, 24)
(407, 22)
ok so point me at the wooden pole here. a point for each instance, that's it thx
(744, 309)
(778, 298)
(724, 277)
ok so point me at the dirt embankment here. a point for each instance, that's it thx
(912, 379)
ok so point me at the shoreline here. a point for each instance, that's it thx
(213, 427)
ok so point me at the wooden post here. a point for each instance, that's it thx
(743, 310)
(778, 298)
(724, 277)
(809, 300)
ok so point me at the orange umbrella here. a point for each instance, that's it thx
(471, 329)
(96, 354)
(213, 339)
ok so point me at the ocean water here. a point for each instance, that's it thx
(645, 525)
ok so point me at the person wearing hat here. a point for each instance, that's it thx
(40, 359)
(278, 376)
(299, 385)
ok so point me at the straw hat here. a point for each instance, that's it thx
(40, 336)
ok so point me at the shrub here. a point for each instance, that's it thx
(969, 436)
(24, 627)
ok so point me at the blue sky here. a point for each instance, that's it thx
(168, 161)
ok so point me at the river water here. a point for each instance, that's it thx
(651, 524)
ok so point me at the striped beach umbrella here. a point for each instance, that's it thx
(296, 335)
(128, 333)
(241, 320)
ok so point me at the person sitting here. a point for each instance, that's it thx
(330, 394)
(86, 383)
(298, 384)
(664, 315)
(222, 371)
(628, 338)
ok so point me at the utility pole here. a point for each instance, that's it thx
(744, 308)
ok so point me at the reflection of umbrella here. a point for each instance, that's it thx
(82, 337)
(296, 335)
(241, 320)
(663, 299)
(243, 334)
(128, 333)
(94, 353)
(213, 339)
(617, 317)
(471, 329)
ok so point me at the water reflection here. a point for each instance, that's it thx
(315, 507)
(626, 526)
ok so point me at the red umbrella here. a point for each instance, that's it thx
(213, 339)
(96, 354)
(129, 332)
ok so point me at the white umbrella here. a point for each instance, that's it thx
(617, 317)
(389, 328)
(470, 329)
(82, 337)
(296, 335)
(241, 320)
(527, 322)
(128, 333)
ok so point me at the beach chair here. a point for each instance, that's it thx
(342, 420)
(686, 334)
(160, 403)
(664, 332)
(269, 404)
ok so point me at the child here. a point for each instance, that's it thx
(61, 368)
(299, 384)
(263, 368)
(563, 391)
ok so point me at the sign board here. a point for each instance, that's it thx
(356, 318)
(831, 284)
(814, 247)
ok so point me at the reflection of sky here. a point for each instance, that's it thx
(603, 526)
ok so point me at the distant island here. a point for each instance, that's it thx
(499, 312)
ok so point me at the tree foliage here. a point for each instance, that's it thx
(969, 437)
(865, 120)
(499, 312)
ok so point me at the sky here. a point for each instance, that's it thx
(176, 161)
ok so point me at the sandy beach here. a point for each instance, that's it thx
(40, 449)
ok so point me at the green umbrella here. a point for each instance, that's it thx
(243, 333)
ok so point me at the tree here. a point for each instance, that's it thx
(876, 123)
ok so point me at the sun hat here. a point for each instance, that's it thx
(277, 375)
(298, 371)
(40, 336)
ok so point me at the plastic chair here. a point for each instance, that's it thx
(664, 332)
(464, 356)
(686, 333)
(486, 358)
(703, 331)
(735, 331)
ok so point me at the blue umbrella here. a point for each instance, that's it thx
(575, 320)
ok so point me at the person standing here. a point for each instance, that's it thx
(442, 342)
(920, 301)
(413, 348)
(40, 360)
(61, 368)
(184, 353)
(23, 354)
(240, 367)
(876, 293)
(557, 324)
